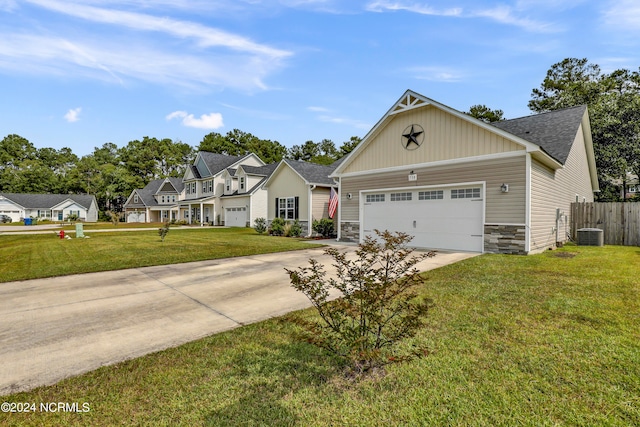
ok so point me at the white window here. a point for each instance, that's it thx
(135, 198)
(287, 208)
(400, 197)
(371, 198)
(228, 185)
(242, 183)
(465, 193)
(211, 186)
(431, 195)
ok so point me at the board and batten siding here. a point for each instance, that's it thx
(320, 201)
(446, 137)
(287, 183)
(551, 190)
(501, 208)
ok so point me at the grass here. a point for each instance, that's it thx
(44, 255)
(545, 340)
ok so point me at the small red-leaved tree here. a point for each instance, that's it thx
(377, 304)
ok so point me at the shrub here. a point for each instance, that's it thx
(163, 231)
(378, 304)
(324, 227)
(277, 227)
(293, 229)
(260, 225)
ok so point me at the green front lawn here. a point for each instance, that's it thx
(545, 340)
(45, 255)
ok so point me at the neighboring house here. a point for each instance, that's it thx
(156, 202)
(209, 178)
(54, 207)
(457, 183)
(216, 189)
(300, 191)
(245, 198)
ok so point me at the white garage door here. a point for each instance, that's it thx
(447, 218)
(235, 217)
(135, 217)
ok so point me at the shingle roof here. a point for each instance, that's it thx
(313, 173)
(218, 162)
(265, 170)
(147, 193)
(47, 201)
(554, 131)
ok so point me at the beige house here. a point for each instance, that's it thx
(457, 183)
(300, 191)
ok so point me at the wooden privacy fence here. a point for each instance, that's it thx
(620, 222)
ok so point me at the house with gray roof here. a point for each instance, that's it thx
(156, 202)
(53, 207)
(216, 189)
(457, 183)
(300, 191)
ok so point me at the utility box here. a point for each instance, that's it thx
(590, 237)
(79, 230)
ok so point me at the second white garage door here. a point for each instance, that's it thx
(442, 218)
(235, 217)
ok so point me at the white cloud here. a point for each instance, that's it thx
(318, 109)
(8, 5)
(345, 121)
(206, 121)
(436, 74)
(623, 15)
(158, 50)
(423, 9)
(72, 115)
(204, 36)
(501, 14)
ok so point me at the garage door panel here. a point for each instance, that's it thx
(235, 217)
(445, 223)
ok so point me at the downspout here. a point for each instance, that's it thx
(310, 211)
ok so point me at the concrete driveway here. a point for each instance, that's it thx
(51, 329)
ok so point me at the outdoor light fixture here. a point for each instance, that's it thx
(349, 196)
(504, 188)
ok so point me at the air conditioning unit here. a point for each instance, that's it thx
(590, 237)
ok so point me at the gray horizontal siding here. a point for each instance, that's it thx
(501, 208)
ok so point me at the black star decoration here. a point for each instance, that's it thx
(412, 137)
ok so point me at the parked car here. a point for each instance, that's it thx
(5, 218)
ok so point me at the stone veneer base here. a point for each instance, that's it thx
(505, 239)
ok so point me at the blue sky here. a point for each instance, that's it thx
(79, 74)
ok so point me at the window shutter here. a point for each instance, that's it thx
(277, 210)
(295, 212)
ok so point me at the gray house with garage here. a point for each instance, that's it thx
(216, 189)
(458, 183)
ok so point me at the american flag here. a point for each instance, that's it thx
(333, 202)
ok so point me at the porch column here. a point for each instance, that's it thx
(201, 214)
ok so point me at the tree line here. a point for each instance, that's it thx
(111, 172)
(613, 101)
